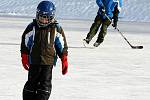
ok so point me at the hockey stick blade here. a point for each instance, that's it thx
(133, 47)
(137, 47)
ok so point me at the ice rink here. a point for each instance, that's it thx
(113, 71)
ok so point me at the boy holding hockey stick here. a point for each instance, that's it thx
(110, 8)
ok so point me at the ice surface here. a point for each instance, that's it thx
(113, 71)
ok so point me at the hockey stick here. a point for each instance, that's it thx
(133, 47)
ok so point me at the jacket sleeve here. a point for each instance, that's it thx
(26, 40)
(119, 5)
(99, 3)
(60, 41)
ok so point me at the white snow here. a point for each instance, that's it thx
(113, 71)
(132, 10)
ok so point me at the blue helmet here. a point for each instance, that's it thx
(45, 9)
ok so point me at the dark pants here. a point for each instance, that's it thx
(38, 85)
(104, 23)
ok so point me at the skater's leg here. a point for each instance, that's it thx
(94, 28)
(102, 32)
(29, 94)
(45, 86)
(29, 91)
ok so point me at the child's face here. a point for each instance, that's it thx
(43, 19)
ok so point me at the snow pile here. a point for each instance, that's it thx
(132, 10)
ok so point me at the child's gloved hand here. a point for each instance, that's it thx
(25, 61)
(115, 20)
(64, 64)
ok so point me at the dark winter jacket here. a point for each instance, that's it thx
(43, 44)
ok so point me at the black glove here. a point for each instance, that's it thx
(115, 17)
(115, 20)
(103, 11)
